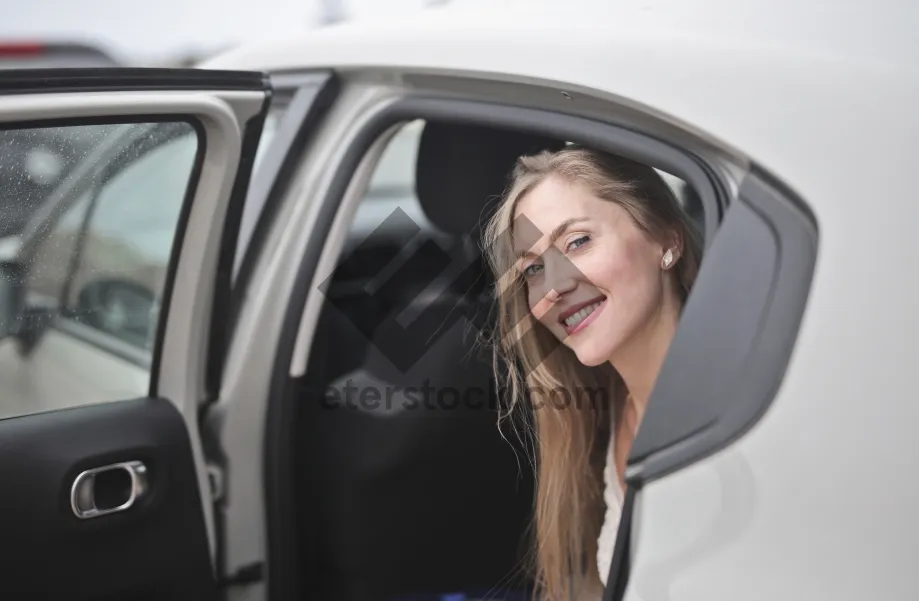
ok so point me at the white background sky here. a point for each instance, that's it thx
(149, 30)
(154, 31)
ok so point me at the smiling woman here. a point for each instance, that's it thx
(594, 258)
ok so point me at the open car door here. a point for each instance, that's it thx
(112, 305)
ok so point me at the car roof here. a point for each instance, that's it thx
(468, 33)
(794, 85)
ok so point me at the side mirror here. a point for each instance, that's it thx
(120, 307)
(12, 297)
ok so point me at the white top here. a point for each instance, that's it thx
(613, 497)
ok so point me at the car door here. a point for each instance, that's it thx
(110, 325)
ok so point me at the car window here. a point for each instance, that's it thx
(93, 264)
(395, 172)
(100, 263)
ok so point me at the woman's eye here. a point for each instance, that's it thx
(579, 242)
(531, 270)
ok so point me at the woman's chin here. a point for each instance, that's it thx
(592, 357)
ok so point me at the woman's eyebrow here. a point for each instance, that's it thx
(563, 227)
(557, 233)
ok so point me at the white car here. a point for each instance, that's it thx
(197, 324)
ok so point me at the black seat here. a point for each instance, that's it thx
(414, 490)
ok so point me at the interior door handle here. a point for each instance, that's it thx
(108, 489)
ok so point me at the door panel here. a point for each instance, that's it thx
(157, 549)
(107, 325)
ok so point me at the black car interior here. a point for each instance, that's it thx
(416, 493)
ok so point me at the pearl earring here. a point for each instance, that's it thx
(668, 259)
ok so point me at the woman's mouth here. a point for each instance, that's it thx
(582, 316)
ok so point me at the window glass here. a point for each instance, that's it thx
(34, 164)
(392, 185)
(395, 172)
(91, 263)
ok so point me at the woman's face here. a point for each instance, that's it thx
(594, 279)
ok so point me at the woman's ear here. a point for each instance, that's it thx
(672, 249)
(677, 244)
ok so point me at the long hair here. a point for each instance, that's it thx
(571, 437)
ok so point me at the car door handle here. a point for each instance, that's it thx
(108, 489)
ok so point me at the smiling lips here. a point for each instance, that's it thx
(578, 317)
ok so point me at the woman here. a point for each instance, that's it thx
(594, 259)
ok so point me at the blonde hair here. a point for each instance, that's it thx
(571, 440)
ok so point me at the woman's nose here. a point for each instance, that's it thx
(559, 290)
(562, 278)
(555, 284)
(554, 289)
(556, 293)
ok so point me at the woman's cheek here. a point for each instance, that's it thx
(602, 271)
(617, 266)
(539, 305)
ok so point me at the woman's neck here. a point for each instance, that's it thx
(640, 361)
(638, 366)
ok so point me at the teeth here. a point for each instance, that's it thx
(582, 314)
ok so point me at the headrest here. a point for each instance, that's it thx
(463, 169)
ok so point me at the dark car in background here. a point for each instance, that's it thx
(45, 156)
